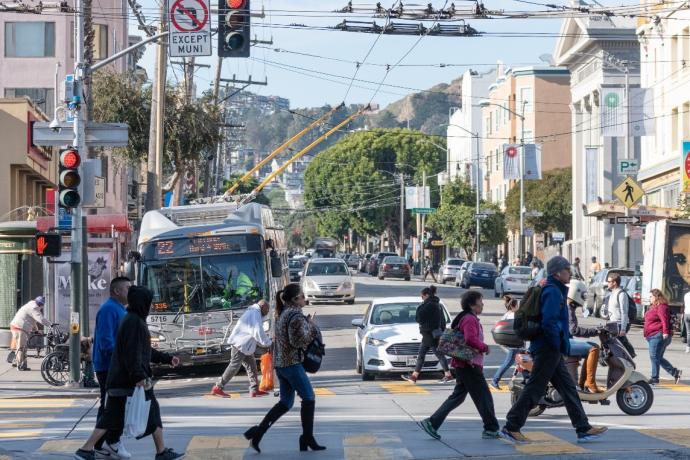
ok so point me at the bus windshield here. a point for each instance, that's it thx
(213, 282)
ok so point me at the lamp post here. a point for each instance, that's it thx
(485, 103)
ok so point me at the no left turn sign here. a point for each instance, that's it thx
(190, 28)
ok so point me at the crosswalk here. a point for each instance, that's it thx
(27, 418)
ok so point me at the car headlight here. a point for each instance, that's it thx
(346, 285)
(310, 284)
(375, 342)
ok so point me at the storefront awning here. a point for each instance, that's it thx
(97, 223)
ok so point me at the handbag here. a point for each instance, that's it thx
(436, 333)
(312, 355)
(452, 343)
(136, 414)
(266, 372)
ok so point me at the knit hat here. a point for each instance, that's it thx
(40, 300)
(556, 264)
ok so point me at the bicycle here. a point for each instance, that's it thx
(55, 367)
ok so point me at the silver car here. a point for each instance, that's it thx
(449, 270)
(328, 280)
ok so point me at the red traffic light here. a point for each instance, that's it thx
(236, 4)
(70, 159)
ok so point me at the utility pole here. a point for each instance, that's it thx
(478, 190)
(402, 215)
(421, 258)
(626, 69)
(521, 246)
(154, 166)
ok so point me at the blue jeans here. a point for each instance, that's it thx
(580, 348)
(509, 361)
(294, 379)
(657, 348)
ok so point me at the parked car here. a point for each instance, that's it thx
(387, 338)
(449, 270)
(513, 280)
(295, 266)
(394, 267)
(326, 280)
(353, 261)
(479, 274)
(364, 262)
(375, 261)
(461, 272)
(598, 288)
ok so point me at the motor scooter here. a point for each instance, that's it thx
(633, 394)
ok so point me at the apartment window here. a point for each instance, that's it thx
(498, 120)
(529, 137)
(686, 121)
(671, 197)
(498, 158)
(489, 122)
(42, 97)
(675, 138)
(29, 39)
(526, 96)
(100, 42)
(675, 55)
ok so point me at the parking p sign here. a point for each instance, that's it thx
(628, 167)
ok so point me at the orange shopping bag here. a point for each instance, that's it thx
(266, 372)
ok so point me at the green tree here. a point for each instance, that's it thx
(455, 222)
(556, 205)
(246, 188)
(353, 184)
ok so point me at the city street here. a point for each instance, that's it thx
(355, 419)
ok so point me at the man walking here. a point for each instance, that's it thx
(575, 271)
(108, 320)
(26, 320)
(247, 334)
(548, 350)
(429, 269)
(618, 310)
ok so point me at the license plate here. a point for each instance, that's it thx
(485, 275)
(411, 361)
(330, 294)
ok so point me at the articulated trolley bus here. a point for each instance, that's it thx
(205, 265)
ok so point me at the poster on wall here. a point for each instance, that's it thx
(685, 168)
(677, 279)
(100, 272)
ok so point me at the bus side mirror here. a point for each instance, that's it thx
(133, 255)
(129, 270)
(276, 267)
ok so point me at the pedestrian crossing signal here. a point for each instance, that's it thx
(48, 244)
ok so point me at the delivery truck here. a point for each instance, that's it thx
(666, 264)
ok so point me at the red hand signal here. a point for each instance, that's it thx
(41, 245)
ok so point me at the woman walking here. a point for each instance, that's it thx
(432, 323)
(293, 333)
(511, 305)
(129, 368)
(469, 375)
(658, 333)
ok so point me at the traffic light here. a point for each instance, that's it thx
(233, 28)
(69, 178)
(48, 244)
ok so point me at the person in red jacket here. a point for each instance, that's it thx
(658, 333)
(469, 376)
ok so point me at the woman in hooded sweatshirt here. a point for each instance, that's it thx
(432, 322)
(130, 367)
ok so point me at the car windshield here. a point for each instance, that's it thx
(295, 263)
(327, 268)
(480, 266)
(519, 271)
(394, 260)
(457, 262)
(397, 313)
(383, 255)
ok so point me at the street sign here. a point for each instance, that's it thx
(437, 243)
(529, 232)
(628, 220)
(534, 214)
(558, 237)
(97, 134)
(190, 28)
(488, 212)
(628, 167)
(423, 210)
(64, 219)
(481, 216)
(629, 192)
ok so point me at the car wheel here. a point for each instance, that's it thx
(496, 292)
(380, 277)
(367, 376)
(407, 278)
(443, 281)
(350, 301)
(465, 284)
(358, 364)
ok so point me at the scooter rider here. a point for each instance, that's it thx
(580, 348)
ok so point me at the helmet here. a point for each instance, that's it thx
(40, 300)
(577, 292)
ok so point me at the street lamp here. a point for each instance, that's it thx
(485, 103)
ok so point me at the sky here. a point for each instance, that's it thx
(313, 81)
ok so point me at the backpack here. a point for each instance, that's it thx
(312, 356)
(527, 320)
(632, 308)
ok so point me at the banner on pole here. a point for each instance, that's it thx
(511, 161)
(613, 116)
(532, 161)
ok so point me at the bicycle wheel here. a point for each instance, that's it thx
(55, 369)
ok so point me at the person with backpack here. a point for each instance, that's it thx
(549, 343)
(432, 323)
(618, 308)
(469, 375)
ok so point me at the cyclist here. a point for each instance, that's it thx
(25, 320)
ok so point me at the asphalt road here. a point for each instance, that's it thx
(356, 419)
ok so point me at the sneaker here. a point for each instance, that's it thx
(687, 349)
(168, 454)
(409, 378)
(593, 433)
(257, 393)
(117, 449)
(488, 434)
(513, 437)
(23, 368)
(218, 391)
(495, 384)
(428, 428)
(446, 379)
(677, 375)
(82, 454)
(106, 453)
(653, 381)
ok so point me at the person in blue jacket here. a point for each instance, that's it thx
(548, 350)
(108, 320)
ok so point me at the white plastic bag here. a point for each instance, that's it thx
(136, 413)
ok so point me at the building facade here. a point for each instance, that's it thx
(585, 46)
(539, 95)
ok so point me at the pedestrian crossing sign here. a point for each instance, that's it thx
(629, 192)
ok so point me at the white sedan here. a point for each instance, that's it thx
(387, 338)
(512, 280)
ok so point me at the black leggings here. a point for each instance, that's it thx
(421, 356)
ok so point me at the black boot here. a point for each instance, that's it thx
(255, 433)
(307, 439)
